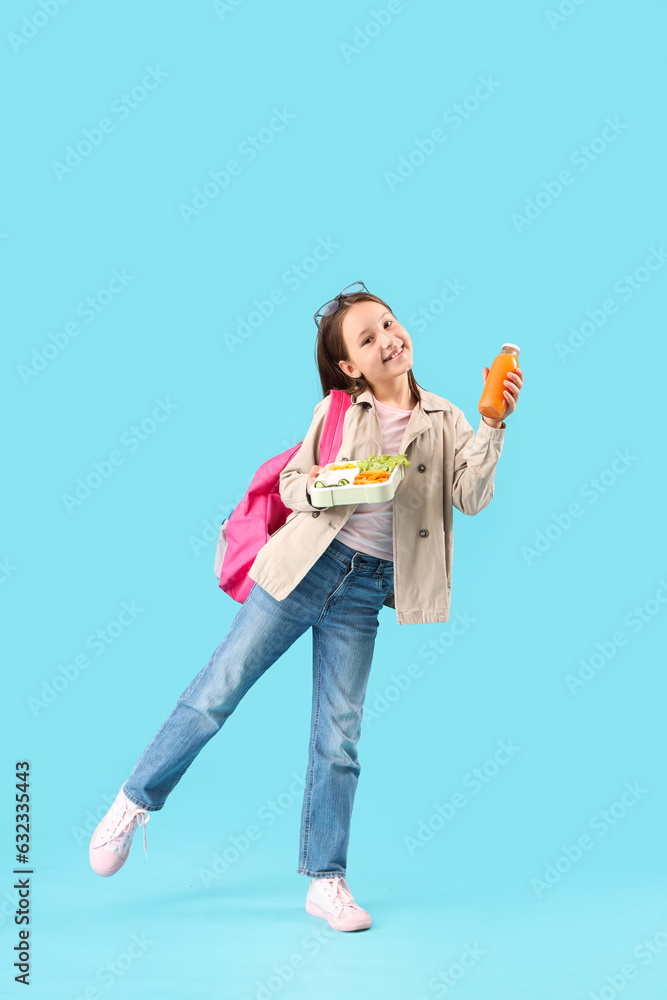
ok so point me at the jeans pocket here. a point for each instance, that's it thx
(337, 595)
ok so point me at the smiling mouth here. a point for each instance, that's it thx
(396, 354)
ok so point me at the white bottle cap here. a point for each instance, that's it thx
(513, 348)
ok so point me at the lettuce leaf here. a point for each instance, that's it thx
(386, 462)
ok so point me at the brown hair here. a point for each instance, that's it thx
(331, 349)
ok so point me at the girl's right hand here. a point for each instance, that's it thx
(312, 476)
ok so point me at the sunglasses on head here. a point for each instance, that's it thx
(330, 307)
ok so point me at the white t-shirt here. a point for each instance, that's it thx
(370, 527)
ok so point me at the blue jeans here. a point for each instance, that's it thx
(340, 598)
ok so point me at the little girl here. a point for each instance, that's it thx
(333, 573)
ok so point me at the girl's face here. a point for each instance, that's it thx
(372, 336)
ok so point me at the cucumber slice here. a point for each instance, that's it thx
(318, 483)
(343, 482)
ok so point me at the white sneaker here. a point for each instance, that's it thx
(111, 842)
(331, 899)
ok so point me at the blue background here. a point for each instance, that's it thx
(540, 592)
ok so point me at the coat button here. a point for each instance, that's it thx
(423, 533)
(421, 468)
(316, 513)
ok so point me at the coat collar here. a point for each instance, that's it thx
(429, 400)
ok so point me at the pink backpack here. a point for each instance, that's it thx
(261, 512)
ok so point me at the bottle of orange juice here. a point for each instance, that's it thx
(492, 403)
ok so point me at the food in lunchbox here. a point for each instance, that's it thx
(378, 470)
(371, 477)
(371, 470)
(387, 462)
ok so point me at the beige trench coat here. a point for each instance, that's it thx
(450, 465)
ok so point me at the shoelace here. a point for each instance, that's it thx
(341, 894)
(123, 835)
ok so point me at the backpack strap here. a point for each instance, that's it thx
(332, 433)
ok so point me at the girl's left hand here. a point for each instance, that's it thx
(513, 384)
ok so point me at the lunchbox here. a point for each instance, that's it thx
(332, 495)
